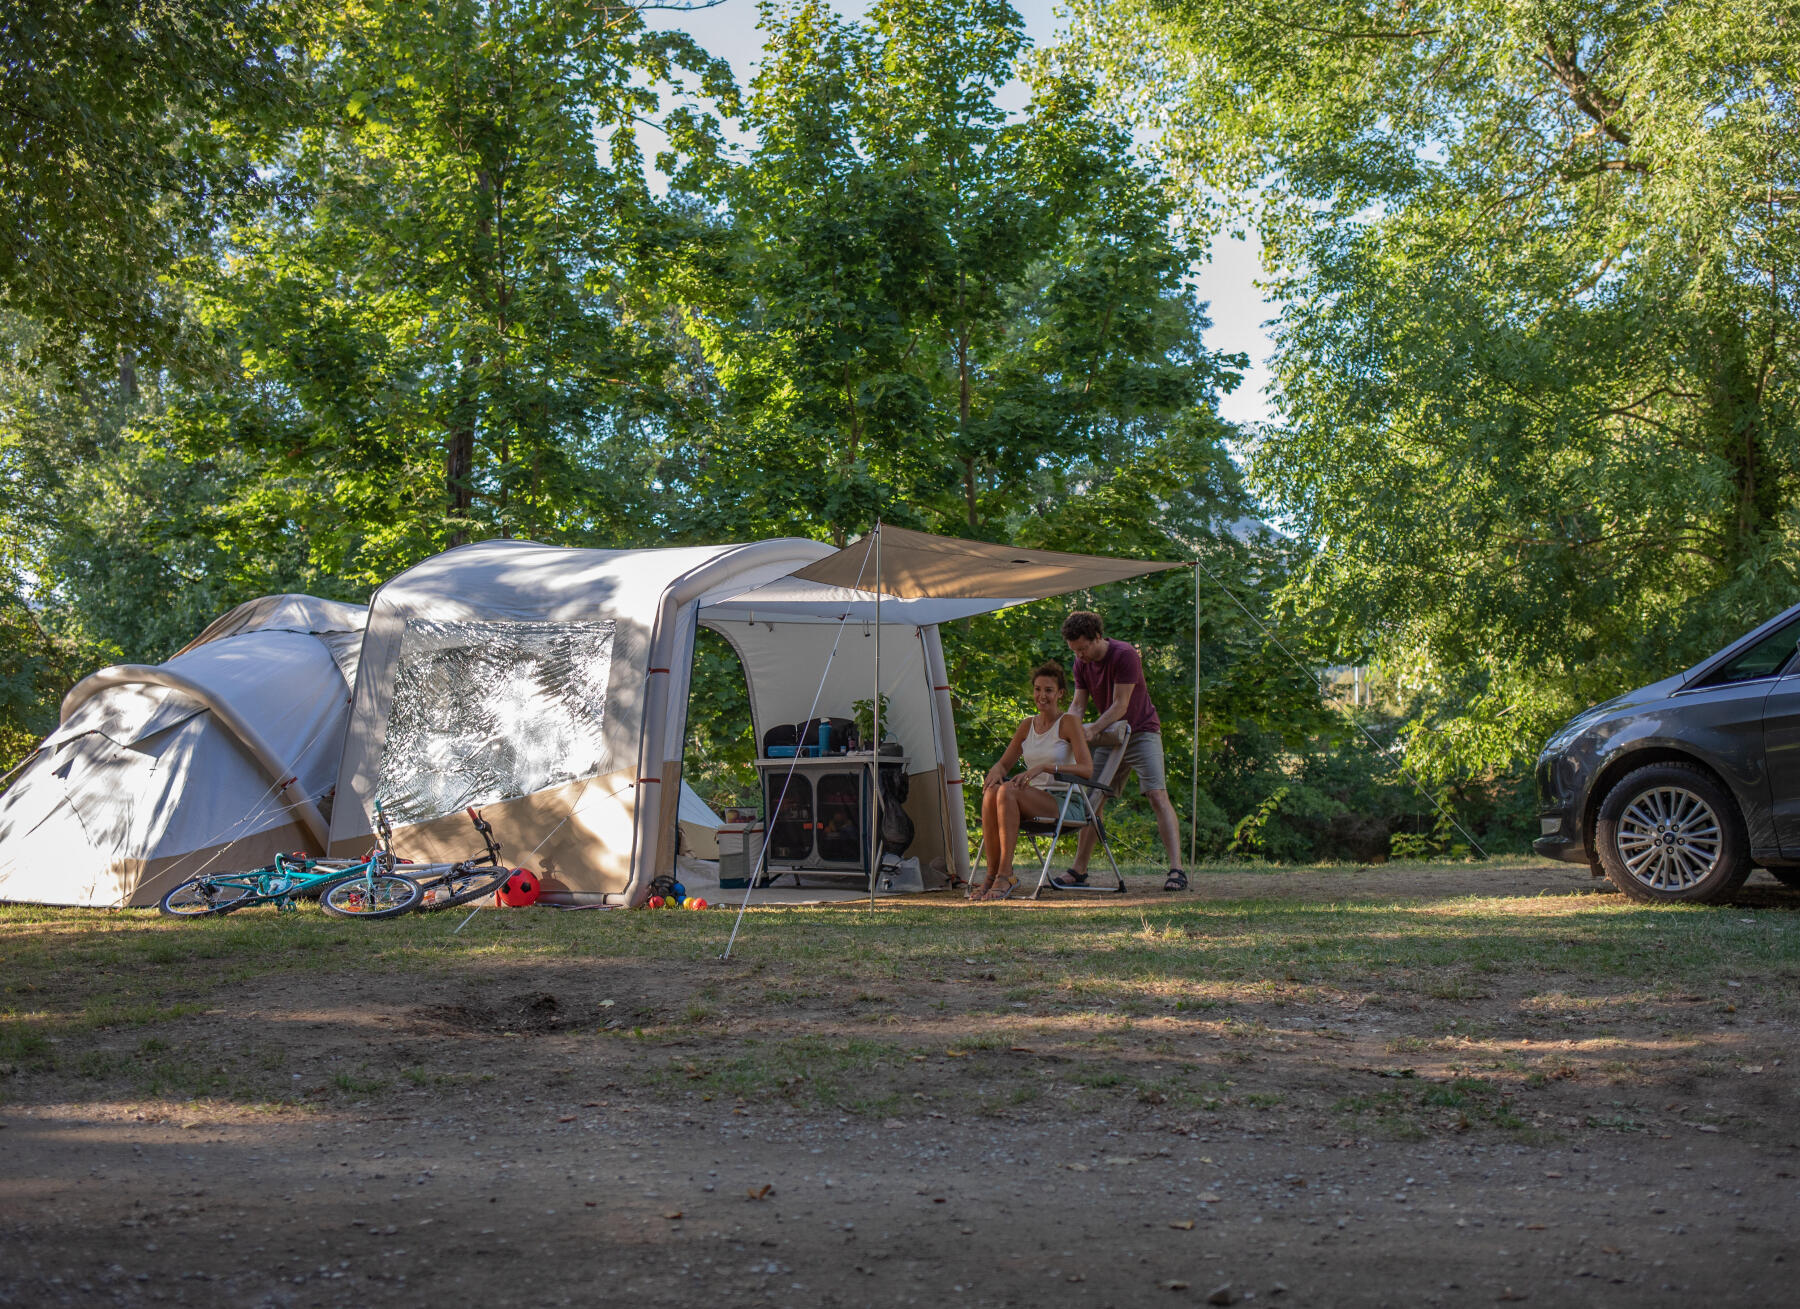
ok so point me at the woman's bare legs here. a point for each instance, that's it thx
(1016, 803)
(990, 833)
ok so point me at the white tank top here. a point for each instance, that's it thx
(1046, 748)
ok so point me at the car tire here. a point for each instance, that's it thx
(1672, 834)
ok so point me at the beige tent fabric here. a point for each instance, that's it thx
(917, 564)
(507, 589)
(284, 613)
(152, 778)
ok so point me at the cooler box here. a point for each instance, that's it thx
(740, 846)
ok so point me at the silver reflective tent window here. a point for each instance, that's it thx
(490, 711)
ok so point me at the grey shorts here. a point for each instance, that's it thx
(1143, 756)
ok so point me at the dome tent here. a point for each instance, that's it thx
(228, 751)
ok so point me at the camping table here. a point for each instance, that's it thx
(820, 828)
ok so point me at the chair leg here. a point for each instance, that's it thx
(1043, 881)
(1100, 830)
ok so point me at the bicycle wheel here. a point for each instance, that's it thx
(200, 896)
(460, 885)
(381, 895)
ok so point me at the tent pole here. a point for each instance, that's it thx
(875, 745)
(1194, 774)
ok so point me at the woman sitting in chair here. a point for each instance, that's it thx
(1050, 741)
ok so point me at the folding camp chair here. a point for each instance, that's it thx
(1080, 809)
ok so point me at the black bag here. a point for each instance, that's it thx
(782, 734)
(897, 826)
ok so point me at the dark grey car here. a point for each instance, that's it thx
(1675, 790)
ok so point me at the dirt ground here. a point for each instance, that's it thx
(580, 1130)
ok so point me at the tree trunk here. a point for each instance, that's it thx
(459, 443)
(962, 407)
(459, 453)
(1741, 438)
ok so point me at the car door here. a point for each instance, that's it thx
(1743, 716)
(1781, 746)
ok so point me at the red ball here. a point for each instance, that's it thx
(655, 902)
(519, 890)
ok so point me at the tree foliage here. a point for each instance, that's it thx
(127, 128)
(427, 288)
(437, 316)
(915, 308)
(1536, 368)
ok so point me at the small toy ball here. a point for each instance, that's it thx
(697, 903)
(680, 891)
(656, 902)
(520, 889)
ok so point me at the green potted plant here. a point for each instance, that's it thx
(861, 711)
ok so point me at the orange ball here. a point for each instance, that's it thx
(697, 903)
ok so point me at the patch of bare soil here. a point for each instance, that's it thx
(586, 1131)
(530, 1013)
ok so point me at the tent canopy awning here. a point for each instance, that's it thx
(918, 565)
(791, 600)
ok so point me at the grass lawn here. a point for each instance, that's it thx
(821, 1005)
(1324, 1074)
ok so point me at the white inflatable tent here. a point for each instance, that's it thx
(548, 686)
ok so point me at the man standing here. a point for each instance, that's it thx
(1110, 674)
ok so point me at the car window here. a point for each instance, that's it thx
(1764, 659)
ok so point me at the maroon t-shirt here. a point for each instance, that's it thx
(1121, 664)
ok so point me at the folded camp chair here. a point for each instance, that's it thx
(1080, 809)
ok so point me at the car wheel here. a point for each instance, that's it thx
(1672, 834)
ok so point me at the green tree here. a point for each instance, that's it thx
(115, 545)
(933, 313)
(419, 325)
(1536, 371)
(915, 307)
(125, 130)
(438, 317)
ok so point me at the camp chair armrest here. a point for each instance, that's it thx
(1086, 782)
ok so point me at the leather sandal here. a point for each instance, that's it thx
(1176, 880)
(1069, 879)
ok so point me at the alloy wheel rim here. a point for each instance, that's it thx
(1670, 839)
